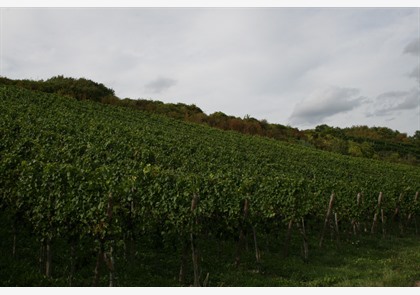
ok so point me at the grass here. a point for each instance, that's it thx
(368, 261)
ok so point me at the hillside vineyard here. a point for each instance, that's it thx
(79, 170)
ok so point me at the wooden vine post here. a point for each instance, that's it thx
(184, 256)
(304, 239)
(194, 248)
(337, 231)
(375, 216)
(110, 263)
(107, 258)
(48, 262)
(257, 250)
(415, 219)
(45, 257)
(241, 239)
(287, 242)
(72, 261)
(41, 259)
(327, 219)
(413, 215)
(98, 264)
(354, 222)
(14, 238)
(397, 215)
(129, 236)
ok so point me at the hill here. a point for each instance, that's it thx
(101, 180)
(359, 141)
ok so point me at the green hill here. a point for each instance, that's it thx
(359, 141)
(98, 178)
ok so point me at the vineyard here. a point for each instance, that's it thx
(87, 177)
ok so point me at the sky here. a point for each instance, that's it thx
(301, 67)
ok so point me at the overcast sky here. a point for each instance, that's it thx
(298, 66)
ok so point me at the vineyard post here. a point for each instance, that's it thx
(375, 217)
(72, 261)
(97, 265)
(327, 218)
(48, 261)
(257, 251)
(337, 231)
(239, 245)
(102, 256)
(354, 222)
(364, 223)
(383, 222)
(415, 224)
(129, 237)
(41, 257)
(413, 215)
(305, 240)
(110, 263)
(206, 280)
(396, 217)
(267, 241)
(110, 260)
(287, 242)
(397, 208)
(45, 257)
(184, 255)
(194, 249)
(14, 239)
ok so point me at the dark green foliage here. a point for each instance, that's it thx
(108, 177)
(80, 89)
(358, 141)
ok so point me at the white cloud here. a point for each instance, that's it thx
(415, 73)
(413, 47)
(325, 103)
(389, 103)
(159, 85)
(257, 61)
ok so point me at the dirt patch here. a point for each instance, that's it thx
(417, 284)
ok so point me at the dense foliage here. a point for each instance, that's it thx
(80, 89)
(78, 170)
(358, 141)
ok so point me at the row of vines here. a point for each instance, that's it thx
(73, 171)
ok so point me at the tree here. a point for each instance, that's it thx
(354, 149)
(416, 135)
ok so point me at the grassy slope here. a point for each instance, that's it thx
(367, 262)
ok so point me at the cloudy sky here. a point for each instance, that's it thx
(296, 66)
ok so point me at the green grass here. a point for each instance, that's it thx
(367, 261)
(374, 262)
